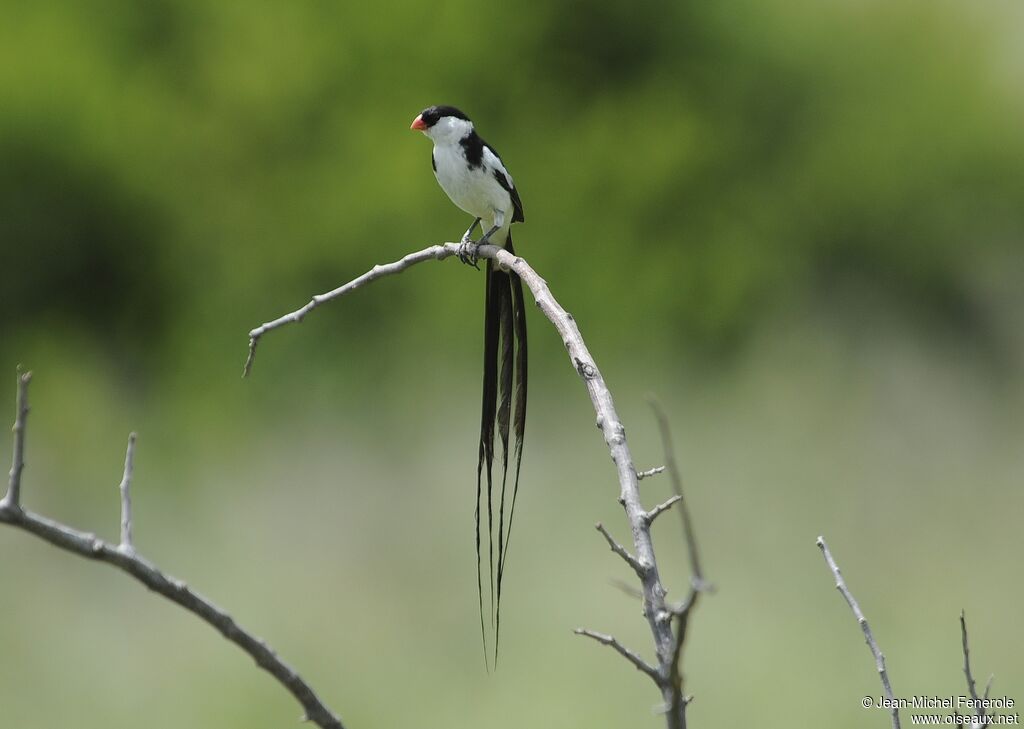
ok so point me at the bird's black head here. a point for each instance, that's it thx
(434, 114)
(442, 123)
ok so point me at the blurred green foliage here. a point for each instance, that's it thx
(801, 222)
(164, 163)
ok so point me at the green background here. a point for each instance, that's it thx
(798, 223)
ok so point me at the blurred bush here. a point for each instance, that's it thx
(172, 172)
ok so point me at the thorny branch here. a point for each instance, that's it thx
(123, 557)
(972, 687)
(698, 584)
(863, 622)
(659, 615)
(612, 642)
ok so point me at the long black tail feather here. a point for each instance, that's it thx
(486, 450)
(504, 403)
(519, 418)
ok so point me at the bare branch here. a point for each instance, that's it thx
(636, 660)
(971, 686)
(863, 622)
(678, 701)
(641, 475)
(608, 421)
(686, 605)
(436, 253)
(126, 497)
(654, 513)
(92, 547)
(682, 615)
(621, 551)
(13, 497)
(677, 486)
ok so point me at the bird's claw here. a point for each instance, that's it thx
(467, 252)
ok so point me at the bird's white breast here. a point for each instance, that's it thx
(473, 189)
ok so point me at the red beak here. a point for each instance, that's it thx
(418, 124)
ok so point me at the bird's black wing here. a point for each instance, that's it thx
(505, 180)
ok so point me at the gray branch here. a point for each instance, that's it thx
(621, 551)
(972, 687)
(678, 701)
(13, 497)
(126, 497)
(434, 253)
(655, 610)
(662, 508)
(676, 479)
(863, 622)
(641, 475)
(631, 656)
(92, 547)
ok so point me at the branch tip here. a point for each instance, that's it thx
(126, 498)
(621, 551)
(641, 475)
(254, 338)
(639, 663)
(12, 499)
(862, 621)
(661, 508)
(972, 686)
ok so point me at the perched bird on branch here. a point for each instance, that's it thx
(472, 174)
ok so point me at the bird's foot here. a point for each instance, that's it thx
(485, 239)
(467, 253)
(468, 235)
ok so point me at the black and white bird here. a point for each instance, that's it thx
(472, 174)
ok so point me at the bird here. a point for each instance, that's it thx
(472, 174)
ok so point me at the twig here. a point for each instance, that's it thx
(971, 686)
(608, 421)
(621, 551)
(126, 497)
(92, 547)
(641, 475)
(679, 701)
(863, 622)
(438, 253)
(661, 508)
(677, 486)
(631, 656)
(13, 497)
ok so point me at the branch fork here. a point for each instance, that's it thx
(124, 557)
